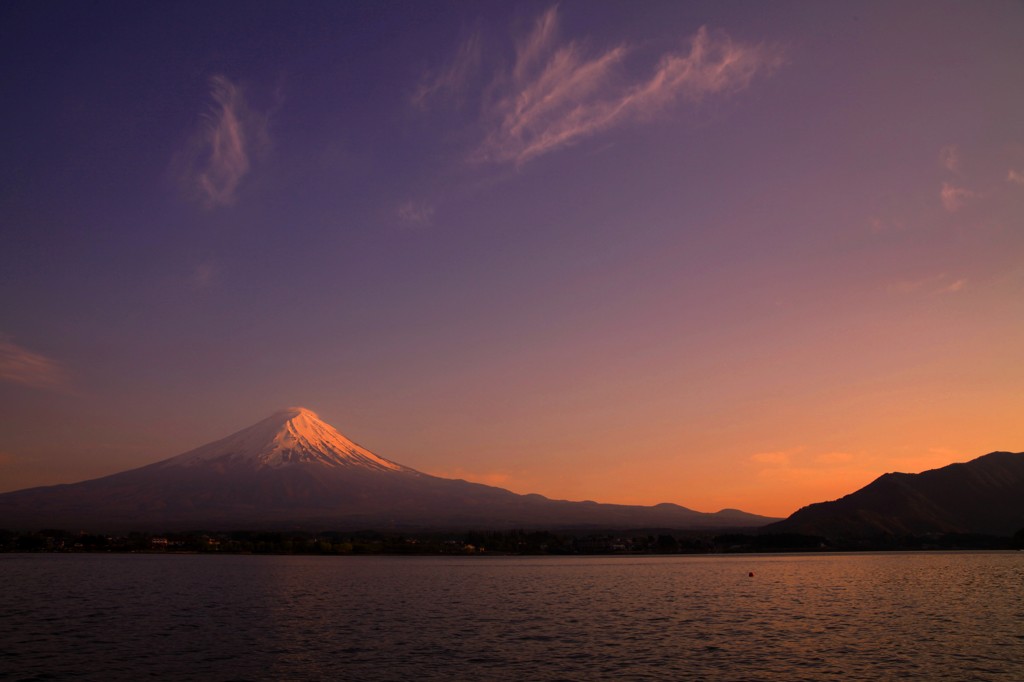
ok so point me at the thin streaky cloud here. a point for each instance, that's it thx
(954, 198)
(834, 458)
(949, 157)
(775, 458)
(413, 213)
(933, 284)
(220, 154)
(532, 48)
(452, 81)
(770, 458)
(713, 65)
(954, 287)
(909, 286)
(1015, 177)
(556, 94)
(553, 110)
(22, 366)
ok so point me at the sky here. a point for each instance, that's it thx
(722, 254)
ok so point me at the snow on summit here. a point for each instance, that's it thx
(291, 436)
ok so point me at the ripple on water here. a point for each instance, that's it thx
(804, 617)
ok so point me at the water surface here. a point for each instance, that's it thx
(954, 616)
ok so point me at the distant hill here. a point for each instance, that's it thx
(292, 471)
(982, 496)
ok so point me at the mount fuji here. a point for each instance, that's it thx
(295, 471)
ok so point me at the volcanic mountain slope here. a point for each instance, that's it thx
(985, 495)
(294, 471)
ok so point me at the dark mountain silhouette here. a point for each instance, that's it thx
(294, 471)
(983, 496)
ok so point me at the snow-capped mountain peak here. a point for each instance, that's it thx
(291, 436)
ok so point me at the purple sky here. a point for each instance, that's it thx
(720, 254)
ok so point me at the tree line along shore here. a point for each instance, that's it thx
(503, 542)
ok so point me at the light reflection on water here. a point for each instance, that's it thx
(854, 616)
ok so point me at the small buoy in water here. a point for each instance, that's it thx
(750, 575)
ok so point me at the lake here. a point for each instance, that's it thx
(954, 616)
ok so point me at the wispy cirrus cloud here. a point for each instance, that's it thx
(28, 368)
(974, 190)
(452, 80)
(954, 198)
(818, 471)
(949, 157)
(777, 458)
(830, 466)
(556, 93)
(934, 284)
(833, 458)
(954, 286)
(220, 153)
(413, 213)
